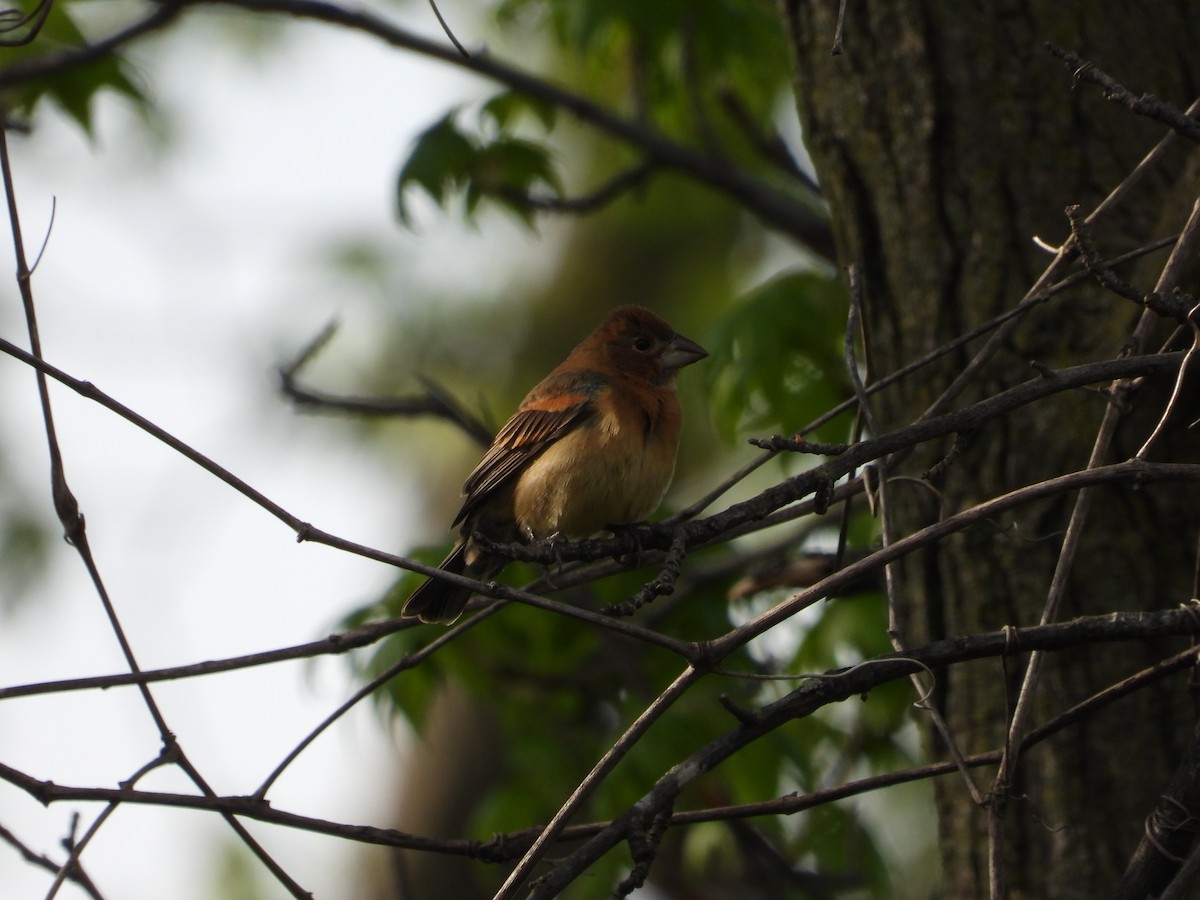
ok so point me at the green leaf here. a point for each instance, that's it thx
(439, 163)
(73, 89)
(445, 162)
(505, 109)
(777, 357)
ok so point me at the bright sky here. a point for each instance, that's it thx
(177, 283)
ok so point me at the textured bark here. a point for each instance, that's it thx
(945, 140)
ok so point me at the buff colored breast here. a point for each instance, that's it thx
(627, 471)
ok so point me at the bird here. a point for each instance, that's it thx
(592, 447)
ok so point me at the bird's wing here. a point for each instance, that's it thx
(555, 407)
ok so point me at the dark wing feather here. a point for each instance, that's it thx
(555, 407)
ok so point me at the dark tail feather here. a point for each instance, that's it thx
(440, 601)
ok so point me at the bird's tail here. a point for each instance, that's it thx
(441, 601)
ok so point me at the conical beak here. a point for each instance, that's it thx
(682, 352)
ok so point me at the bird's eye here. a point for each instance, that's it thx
(643, 344)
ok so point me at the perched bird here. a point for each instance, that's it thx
(591, 447)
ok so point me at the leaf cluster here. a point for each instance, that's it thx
(72, 89)
(491, 164)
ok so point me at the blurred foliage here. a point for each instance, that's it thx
(445, 161)
(73, 90)
(23, 553)
(237, 875)
(777, 356)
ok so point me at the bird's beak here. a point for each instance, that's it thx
(682, 352)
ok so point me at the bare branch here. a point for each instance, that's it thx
(602, 196)
(1145, 105)
(437, 402)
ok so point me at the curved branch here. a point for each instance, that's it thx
(804, 221)
(53, 63)
(436, 402)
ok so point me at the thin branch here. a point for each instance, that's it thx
(334, 644)
(1186, 368)
(446, 28)
(408, 661)
(839, 30)
(1134, 470)
(49, 64)
(663, 584)
(76, 875)
(166, 757)
(855, 328)
(1121, 392)
(12, 21)
(1145, 105)
(1164, 303)
(611, 190)
(437, 402)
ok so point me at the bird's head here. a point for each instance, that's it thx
(641, 344)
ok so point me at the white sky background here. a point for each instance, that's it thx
(177, 284)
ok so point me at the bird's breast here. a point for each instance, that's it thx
(612, 470)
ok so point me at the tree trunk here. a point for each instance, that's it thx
(945, 141)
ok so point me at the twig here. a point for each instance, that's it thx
(446, 28)
(1031, 299)
(853, 326)
(43, 65)
(663, 583)
(75, 847)
(601, 197)
(1000, 336)
(615, 753)
(798, 444)
(436, 402)
(839, 29)
(408, 661)
(75, 875)
(1186, 368)
(12, 20)
(1146, 105)
(1164, 303)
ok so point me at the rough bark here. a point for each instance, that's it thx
(945, 139)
